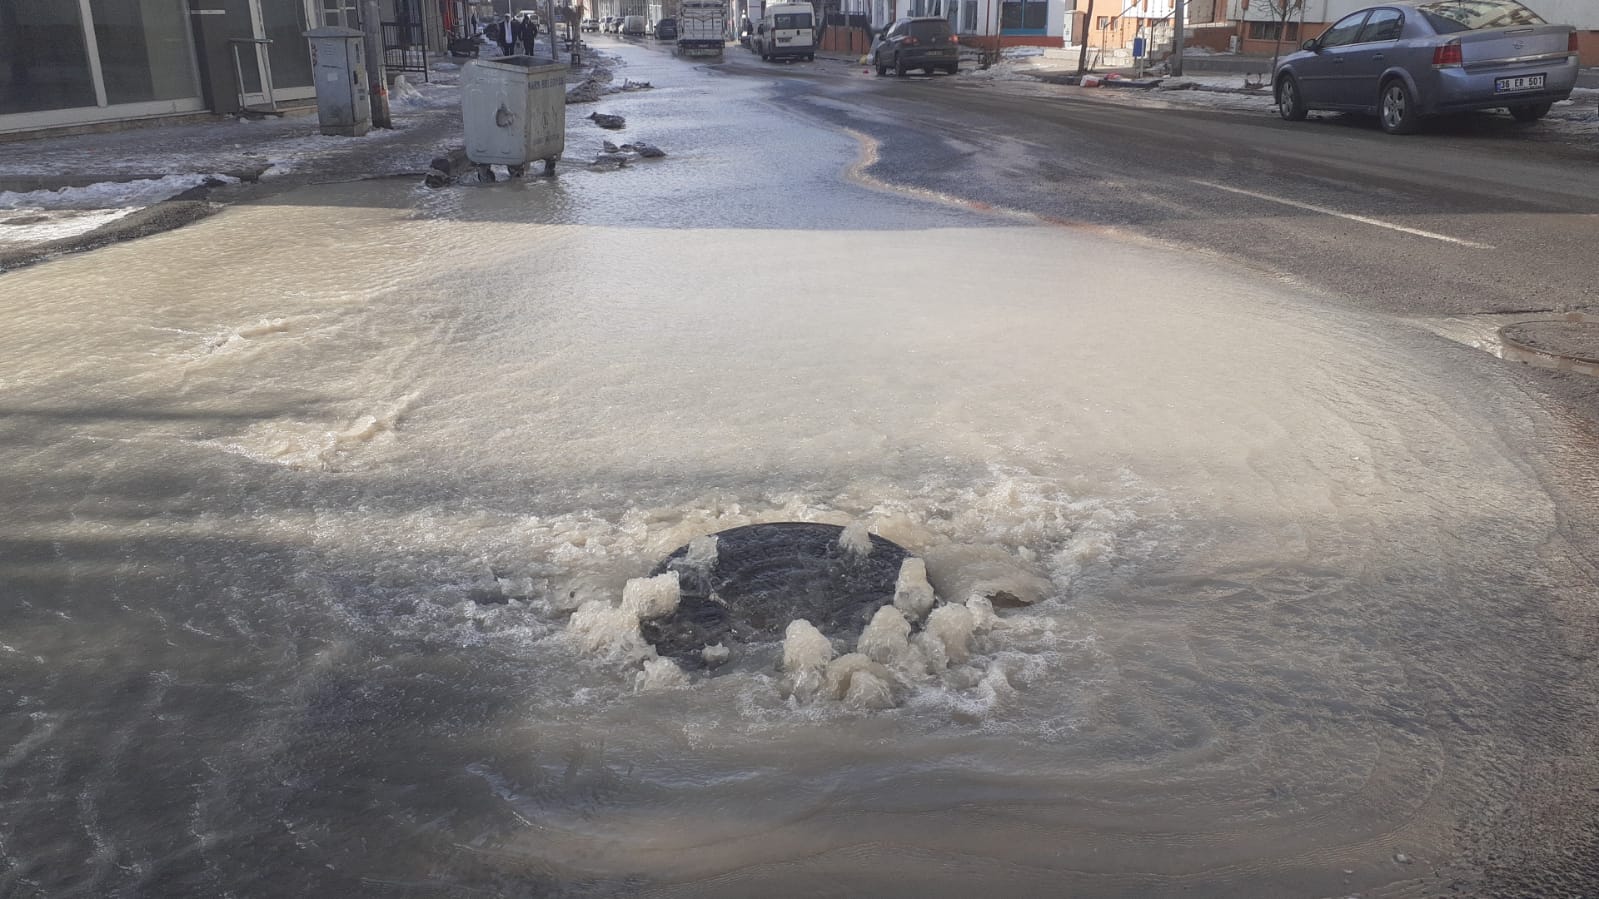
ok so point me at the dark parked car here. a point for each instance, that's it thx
(666, 30)
(921, 43)
(1408, 61)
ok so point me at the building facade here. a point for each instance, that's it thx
(1256, 23)
(86, 62)
(1114, 25)
(981, 23)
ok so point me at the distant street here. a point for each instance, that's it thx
(1509, 221)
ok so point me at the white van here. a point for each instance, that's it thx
(633, 25)
(786, 29)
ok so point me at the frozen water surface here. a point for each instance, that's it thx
(316, 554)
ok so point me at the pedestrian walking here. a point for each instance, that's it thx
(530, 33)
(503, 33)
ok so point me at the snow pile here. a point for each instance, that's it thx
(111, 194)
(403, 95)
(46, 215)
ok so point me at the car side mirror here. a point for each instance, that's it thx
(1313, 45)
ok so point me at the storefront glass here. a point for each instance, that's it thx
(1024, 17)
(285, 25)
(43, 62)
(144, 49)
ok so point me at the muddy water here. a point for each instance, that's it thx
(293, 538)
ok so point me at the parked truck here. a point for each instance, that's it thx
(701, 27)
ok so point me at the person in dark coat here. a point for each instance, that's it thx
(530, 34)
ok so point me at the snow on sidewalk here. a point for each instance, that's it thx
(1577, 117)
(45, 215)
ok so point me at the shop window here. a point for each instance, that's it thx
(1268, 31)
(144, 49)
(1024, 16)
(43, 61)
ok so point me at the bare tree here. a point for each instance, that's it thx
(1088, 25)
(1281, 10)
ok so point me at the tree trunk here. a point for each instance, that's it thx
(1282, 27)
(1088, 29)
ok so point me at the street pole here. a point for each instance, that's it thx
(377, 82)
(1180, 19)
(1088, 29)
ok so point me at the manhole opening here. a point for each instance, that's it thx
(767, 575)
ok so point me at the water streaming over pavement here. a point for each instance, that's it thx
(294, 538)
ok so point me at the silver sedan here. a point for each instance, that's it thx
(1407, 61)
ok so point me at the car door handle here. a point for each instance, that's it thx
(1377, 56)
(1338, 62)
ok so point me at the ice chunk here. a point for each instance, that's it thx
(983, 617)
(868, 691)
(952, 626)
(802, 686)
(700, 555)
(605, 630)
(842, 671)
(652, 597)
(913, 595)
(715, 654)
(805, 647)
(886, 638)
(856, 540)
(929, 650)
(659, 674)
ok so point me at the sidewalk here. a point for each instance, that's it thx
(68, 193)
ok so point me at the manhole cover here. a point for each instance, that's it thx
(1566, 344)
(767, 575)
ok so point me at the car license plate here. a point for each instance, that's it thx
(1520, 83)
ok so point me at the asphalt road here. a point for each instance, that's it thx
(1475, 216)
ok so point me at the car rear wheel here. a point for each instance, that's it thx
(1397, 110)
(1289, 104)
(1530, 113)
(899, 68)
(881, 69)
(954, 68)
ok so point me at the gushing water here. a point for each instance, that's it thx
(1206, 592)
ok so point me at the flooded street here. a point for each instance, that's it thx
(294, 539)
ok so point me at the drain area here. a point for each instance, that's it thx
(745, 585)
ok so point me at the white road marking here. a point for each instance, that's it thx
(1364, 220)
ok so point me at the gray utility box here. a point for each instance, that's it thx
(338, 59)
(515, 111)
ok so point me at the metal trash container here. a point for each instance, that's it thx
(514, 108)
(338, 63)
